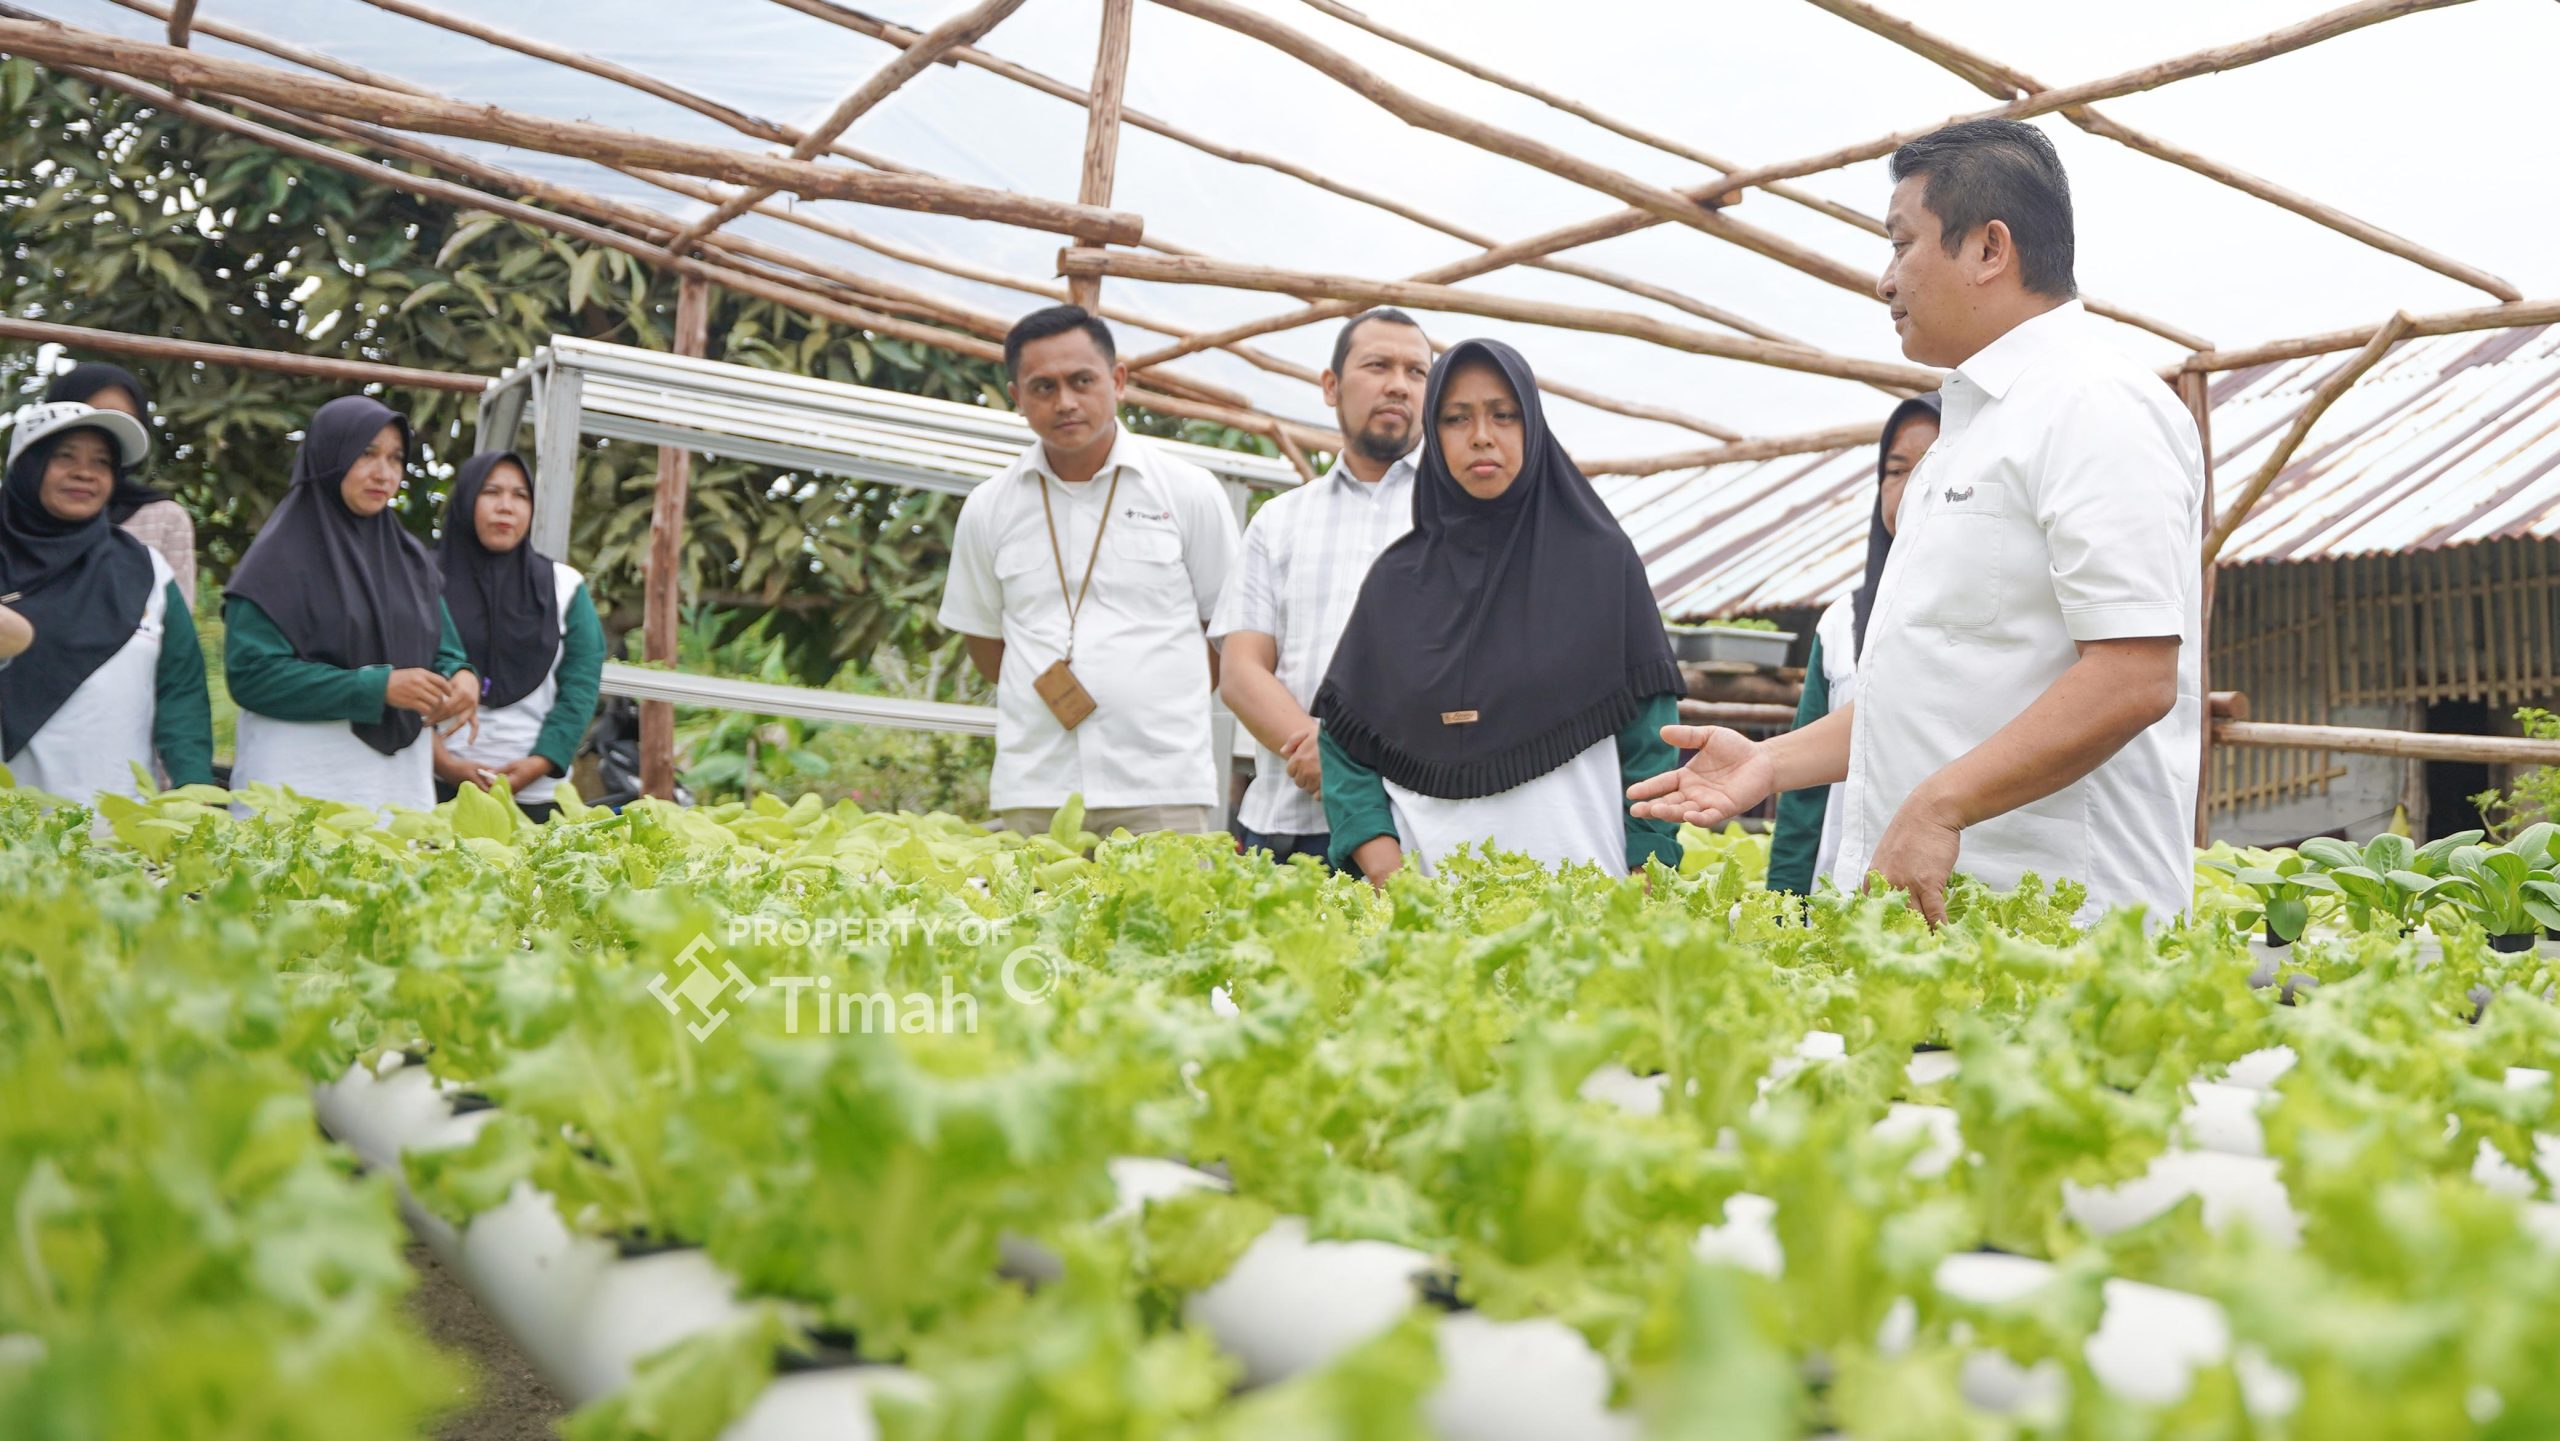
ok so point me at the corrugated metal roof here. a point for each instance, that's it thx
(2449, 440)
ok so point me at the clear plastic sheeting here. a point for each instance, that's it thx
(1754, 82)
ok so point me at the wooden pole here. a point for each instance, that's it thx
(2195, 391)
(1200, 270)
(1102, 129)
(665, 573)
(1838, 437)
(57, 44)
(888, 33)
(2321, 399)
(2007, 83)
(196, 352)
(1694, 208)
(2451, 322)
(1575, 108)
(1629, 221)
(906, 65)
(2410, 745)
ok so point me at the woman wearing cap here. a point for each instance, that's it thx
(339, 649)
(530, 631)
(114, 678)
(1808, 829)
(1504, 676)
(148, 514)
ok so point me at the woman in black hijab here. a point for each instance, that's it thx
(147, 513)
(114, 678)
(338, 647)
(1504, 676)
(531, 633)
(1807, 830)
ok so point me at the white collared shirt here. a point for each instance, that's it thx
(1305, 554)
(2059, 505)
(1139, 651)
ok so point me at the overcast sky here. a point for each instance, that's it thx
(2438, 126)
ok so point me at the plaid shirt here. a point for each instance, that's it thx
(1305, 555)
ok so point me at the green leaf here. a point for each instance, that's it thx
(582, 278)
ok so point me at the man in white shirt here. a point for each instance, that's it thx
(2027, 701)
(1305, 554)
(1081, 577)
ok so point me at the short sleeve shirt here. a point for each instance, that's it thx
(2060, 505)
(1305, 554)
(1166, 549)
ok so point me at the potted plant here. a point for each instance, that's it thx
(2283, 887)
(1747, 641)
(2391, 881)
(2509, 890)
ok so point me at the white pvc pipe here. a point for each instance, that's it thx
(1291, 1304)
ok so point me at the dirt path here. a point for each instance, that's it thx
(514, 1404)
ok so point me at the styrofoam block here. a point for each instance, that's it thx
(831, 1405)
(1617, 1086)
(1533, 1380)
(1291, 1304)
(2236, 1190)
(1747, 1237)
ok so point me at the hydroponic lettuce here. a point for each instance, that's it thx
(1424, 1066)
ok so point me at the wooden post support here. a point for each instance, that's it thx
(1102, 129)
(666, 557)
(2194, 388)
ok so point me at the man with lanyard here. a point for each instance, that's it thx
(1305, 554)
(2028, 697)
(1081, 576)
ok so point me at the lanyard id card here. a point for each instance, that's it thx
(1057, 687)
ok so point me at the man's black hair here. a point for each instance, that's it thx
(2006, 170)
(1342, 340)
(1056, 320)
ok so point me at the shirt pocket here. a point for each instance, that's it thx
(1956, 580)
(1144, 563)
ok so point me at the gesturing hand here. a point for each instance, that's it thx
(1730, 774)
(415, 688)
(461, 707)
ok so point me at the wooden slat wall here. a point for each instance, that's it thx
(2477, 622)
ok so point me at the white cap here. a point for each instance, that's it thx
(35, 422)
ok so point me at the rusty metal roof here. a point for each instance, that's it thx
(2448, 441)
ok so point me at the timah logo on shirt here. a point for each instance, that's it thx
(1959, 497)
(1134, 513)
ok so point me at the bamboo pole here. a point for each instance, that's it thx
(182, 18)
(2196, 394)
(2451, 322)
(2388, 335)
(664, 574)
(2008, 83)
(197, 352)
(1838, 437)
(2341, 21)
(810, 220)
(906, 65)
(2409, 745)
(1577, 109)
(1197, 270)
(1694, 208)
(1102, 130)
(57, 44)
(1629, 221)
(888, 33)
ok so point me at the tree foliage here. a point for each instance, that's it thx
(117, 216)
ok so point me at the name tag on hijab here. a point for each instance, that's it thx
(1065, 695)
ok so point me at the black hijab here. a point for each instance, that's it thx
(79, 383)
(505, 604)
(1531, 610)
(1879, 535)
(83, 585)
(346, 590)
